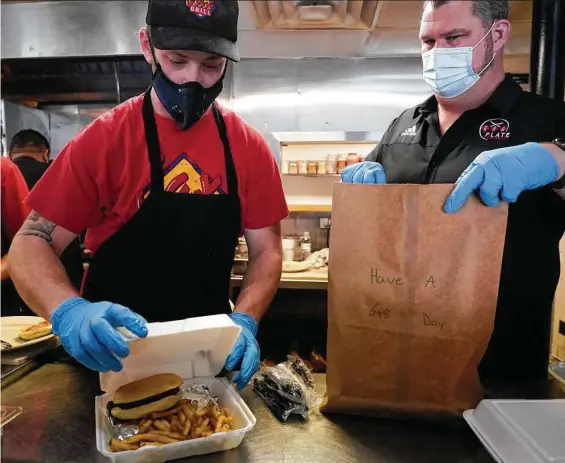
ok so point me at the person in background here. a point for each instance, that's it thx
(482, 132)
(14, 213)
(30, 152)
(164, 183)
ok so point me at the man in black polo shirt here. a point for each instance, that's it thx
(482, 132)
(30, 152)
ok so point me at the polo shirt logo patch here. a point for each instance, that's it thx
(495, 129)
(201, 8)
(411, 132)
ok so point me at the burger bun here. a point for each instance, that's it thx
(144, 410)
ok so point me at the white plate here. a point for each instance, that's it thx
(295, 267)
(10, 328)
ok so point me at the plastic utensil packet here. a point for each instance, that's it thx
(287, 388)
(198, 394)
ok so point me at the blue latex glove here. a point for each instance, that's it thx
(88, 331)
(364, 172)
(504, 173)
(247, 347)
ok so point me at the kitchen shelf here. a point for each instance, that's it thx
(311, 279)
(312, 175)
(328, 137)
(310, 207)
(330, 142)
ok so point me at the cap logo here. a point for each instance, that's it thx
(201, 8)
(495, 129)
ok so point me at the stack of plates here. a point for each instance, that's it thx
(521, 431)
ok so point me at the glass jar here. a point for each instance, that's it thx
(312, 167)
(322, 167)
(352, 158)
(293, 167)
(284, 167)
(341, 163)
(331, 164)
(302, 167)
(363, 157)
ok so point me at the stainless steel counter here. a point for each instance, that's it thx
(57, 425)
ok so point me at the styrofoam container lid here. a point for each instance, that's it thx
(521, 431)
(190, 348)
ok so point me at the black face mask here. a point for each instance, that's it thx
(188, 102)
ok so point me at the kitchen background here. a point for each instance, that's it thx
(313, 87)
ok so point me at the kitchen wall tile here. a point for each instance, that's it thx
(299, 222)
(288, 226)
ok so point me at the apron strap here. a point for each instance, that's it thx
(231, 175)
(153, 147)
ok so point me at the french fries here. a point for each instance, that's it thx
(182, 422)
(163, 425)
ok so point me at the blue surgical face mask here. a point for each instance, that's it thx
(186, 103)
(449, 71)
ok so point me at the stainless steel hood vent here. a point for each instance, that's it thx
(309, 14)
(267, 28)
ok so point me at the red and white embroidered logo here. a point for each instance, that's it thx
(495, 129)
(201, 8)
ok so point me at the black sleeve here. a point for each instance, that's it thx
(560, 133)
(376, 154)
(561, 126)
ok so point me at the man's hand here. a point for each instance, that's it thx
(88, 331)
(246, 347)
(367, 172)
(503, 174)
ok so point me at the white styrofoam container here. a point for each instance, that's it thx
(521, 431)
(195, 349)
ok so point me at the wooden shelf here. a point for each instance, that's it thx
(312, 175)
(310, 207)
(311, 279)
(330, 142)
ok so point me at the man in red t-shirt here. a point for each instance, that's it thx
(14, 213)
(164, 184)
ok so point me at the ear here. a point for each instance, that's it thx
(501, 33)
(46, 155)
(145, 45)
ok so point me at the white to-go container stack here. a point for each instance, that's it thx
(521, 431)
(195, 349)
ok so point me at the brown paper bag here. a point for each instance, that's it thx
(412, 299)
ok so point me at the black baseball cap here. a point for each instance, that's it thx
(203, 25)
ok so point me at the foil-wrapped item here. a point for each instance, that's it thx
(199, 393)
(122, 429)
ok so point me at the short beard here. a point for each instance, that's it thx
(489, 55)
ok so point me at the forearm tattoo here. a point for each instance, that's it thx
(35, 225)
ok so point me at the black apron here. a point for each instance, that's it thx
(173, 258)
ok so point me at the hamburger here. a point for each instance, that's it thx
(145, 396)
(38, 330)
